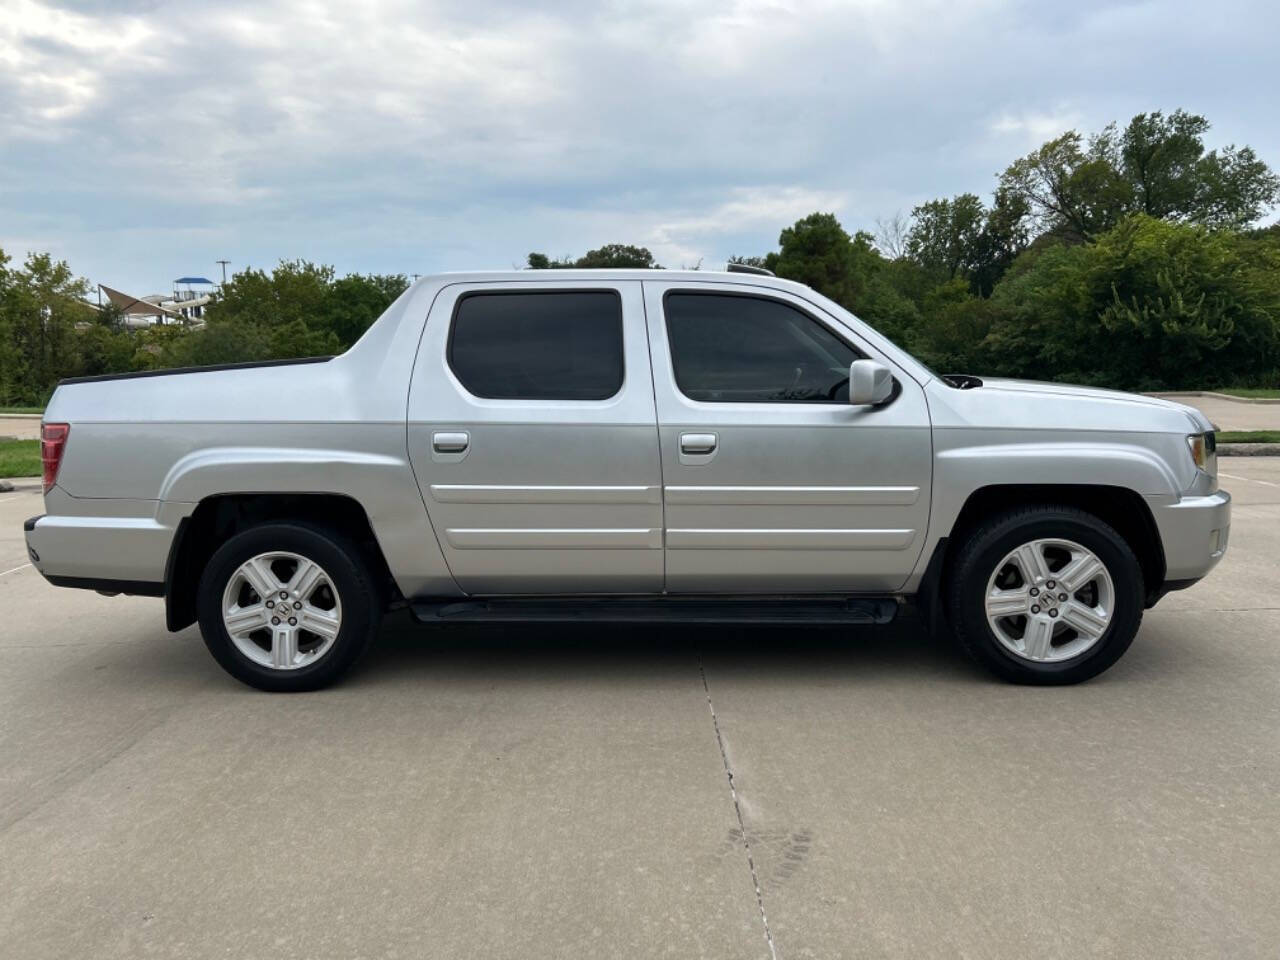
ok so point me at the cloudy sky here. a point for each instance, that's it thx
(144, 140)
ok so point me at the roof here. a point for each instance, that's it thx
(194, 280)
(877, 340)
(611, 273)
(131, 304)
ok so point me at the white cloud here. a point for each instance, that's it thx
(49, 55)
(1034, 127)
(693, 235)
(151, 138)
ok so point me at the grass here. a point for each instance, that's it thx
(1253, 393)
(1249, 436)
(4, 410)
(19, 458)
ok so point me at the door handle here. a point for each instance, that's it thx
(449, 442)
(696, 443)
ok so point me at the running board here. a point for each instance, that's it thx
(742, 610)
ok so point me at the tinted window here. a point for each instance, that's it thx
(742, 349)
(539, 346)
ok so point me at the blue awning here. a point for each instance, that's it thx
(194, 280)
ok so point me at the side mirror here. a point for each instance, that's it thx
(870, 383)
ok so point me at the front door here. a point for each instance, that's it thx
(773, 482)
(533, 436)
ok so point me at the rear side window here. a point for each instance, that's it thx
(557, 345)
(729, 348)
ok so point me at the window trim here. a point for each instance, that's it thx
(859, 353)
(526, 291)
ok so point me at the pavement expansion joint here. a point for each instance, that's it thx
(737, 809)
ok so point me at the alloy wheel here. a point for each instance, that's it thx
(281, 610)
(1049, 600)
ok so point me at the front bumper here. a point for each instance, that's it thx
(1194, 532)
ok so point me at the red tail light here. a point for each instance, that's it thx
(53, 443)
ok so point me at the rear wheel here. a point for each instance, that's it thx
(1046, 595)
(287, 606)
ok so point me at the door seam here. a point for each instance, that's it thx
(657, 430)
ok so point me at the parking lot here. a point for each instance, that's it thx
(643, 792)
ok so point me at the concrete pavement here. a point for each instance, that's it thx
(23, 428)
(528, 792)
(1233, 414)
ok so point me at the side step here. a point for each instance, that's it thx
(596, 609)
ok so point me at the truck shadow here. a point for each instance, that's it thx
(902, 648)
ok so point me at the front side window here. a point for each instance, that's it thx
(731, 348)
(553, 345)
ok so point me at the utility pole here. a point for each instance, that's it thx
(224, 270)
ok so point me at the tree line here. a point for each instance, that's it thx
(1128, 258)
(49, 331)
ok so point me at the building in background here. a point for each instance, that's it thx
(188, 301)
(186, 306)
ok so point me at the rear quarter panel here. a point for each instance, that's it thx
(156, 446)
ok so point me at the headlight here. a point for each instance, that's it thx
(1204, 448)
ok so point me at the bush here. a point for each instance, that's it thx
(1151, 305)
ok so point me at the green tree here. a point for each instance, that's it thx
(1173, 177)
(40, 306)
(767, 262)
(540, 261)
(1153, 304)
(945, 234)
(1069, 188)
(817, 251)
(619, 255)
(886, 306)
(954, 329)
(1004, 236)
(610, 255)
(103, 350)
(294, 290)
(963, 238)
(299, 309)
(1157, 165)
(227, 341)
(355, 301)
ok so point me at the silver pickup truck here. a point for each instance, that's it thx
(624, 445)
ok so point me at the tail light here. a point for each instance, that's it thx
(53, 443)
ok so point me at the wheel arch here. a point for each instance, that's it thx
(217, 518)
(1123, 509)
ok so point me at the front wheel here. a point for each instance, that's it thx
(287, 606)
(1046, 595)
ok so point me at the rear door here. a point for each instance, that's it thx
(533, 436)
(774, 483)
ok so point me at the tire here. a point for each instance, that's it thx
(341, 603)
(1069, 641)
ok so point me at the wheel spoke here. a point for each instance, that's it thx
(305, 578)
(1077, 574)
(317, 621)
(1085, 620)
(246, 619)
(1031, 562)
(1008, 603)
(1036, 639)
(259, 575)
(284, 645)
